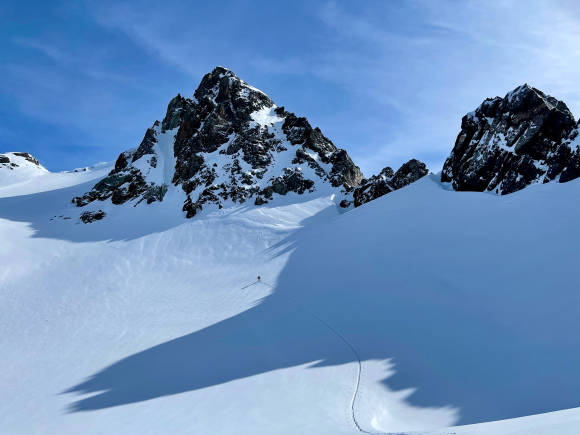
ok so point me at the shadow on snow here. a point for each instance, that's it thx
(464, 322)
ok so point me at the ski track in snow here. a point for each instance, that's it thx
(358, 376)
(355, 353)
(77, 299)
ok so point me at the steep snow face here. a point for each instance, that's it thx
(229, 144)
(16, 167)
(382, 319)
(509, 143)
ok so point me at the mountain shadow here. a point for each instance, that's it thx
(454, 289)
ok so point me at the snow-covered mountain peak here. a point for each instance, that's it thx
(526, 96)
(227, 144)
(222, 84)
(18, 166)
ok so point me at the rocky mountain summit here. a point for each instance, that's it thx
(230, 143)
(509, 143)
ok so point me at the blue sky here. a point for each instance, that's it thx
(386, 80)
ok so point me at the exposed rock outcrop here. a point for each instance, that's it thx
(91, 216)
(509, 143)
(227, 143)
(388, 180)
(127, 180)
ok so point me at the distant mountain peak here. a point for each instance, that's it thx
(18, 157)
(509, 143)
(229, 143)
(19, 166)
(222, 84)
(528, 96)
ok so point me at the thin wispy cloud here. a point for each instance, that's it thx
(158, 36)
(536, 42)
(388, 81)
(92, 65)
(445, 61)
(48, 50)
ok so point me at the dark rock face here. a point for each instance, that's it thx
(91, 216)
(509, 143)
(374, 187)
(387, 181)
(227, 143)
(125, 181)
(409, 173)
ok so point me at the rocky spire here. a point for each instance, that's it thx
(508, 143)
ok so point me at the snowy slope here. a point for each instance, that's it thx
(469, 296)
(17, 167)
(423, 309)
(24, 175)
